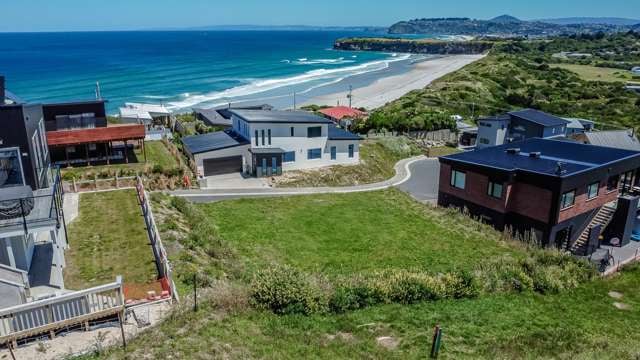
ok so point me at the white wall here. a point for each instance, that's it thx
(494, 132)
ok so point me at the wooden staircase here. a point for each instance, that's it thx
(603, 218)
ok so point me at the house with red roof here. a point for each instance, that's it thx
(343, 115)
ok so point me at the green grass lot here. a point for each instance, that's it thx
(377, 161)
(346, 233)
(594, 73)
(108, 239)
(442, 151)
(157, 154)
(355, 233)
(580, 324)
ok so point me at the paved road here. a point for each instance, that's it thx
(423, 183)
(404, 179)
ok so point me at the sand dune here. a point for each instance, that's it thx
(390, 88)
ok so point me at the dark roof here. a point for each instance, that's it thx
(575, 157)
(266, 150)
(213, 117)
(225, 111)
(218, 140)
(278, 116)
(336, 133)
(539, 117)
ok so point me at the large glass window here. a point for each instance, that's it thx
(314, 154)
(334, 153)
(269, 136)
(289, 156)
(568, 199)
(495, 190)
(292, 131)
(351, 147)
(10, 168)
(592, 190)
(458, 179)
(257, 138)
(314, 131)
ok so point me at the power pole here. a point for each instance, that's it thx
(294, 100)
(350, 95)
(98, 94)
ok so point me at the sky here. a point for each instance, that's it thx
(89, 15)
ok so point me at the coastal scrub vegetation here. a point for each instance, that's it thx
(377, 160)
(279, 285)
(521, 74)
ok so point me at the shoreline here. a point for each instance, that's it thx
(389, 88)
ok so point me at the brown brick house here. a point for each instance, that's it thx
(565, 193)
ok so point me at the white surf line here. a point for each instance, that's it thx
(309, 191)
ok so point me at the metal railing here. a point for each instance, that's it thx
(46, 315)
(37, 210)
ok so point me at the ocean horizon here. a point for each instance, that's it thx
(184, 69)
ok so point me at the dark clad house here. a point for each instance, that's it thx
(563, 192)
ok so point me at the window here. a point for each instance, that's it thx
(314, 154)
(43, 139)
(333, 153)
(568, 199)
(315, 131)
(495, 190)
(289, 156)
(612, 182)
(457, 179)
(350, 150)
(11, 168)
(484, 141)
(257, 138)
(592, 190)
(269, 136)
(262, 133)
(292, 132)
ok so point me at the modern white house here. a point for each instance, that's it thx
(265, 143)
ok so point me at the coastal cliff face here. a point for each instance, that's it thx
(414, 46)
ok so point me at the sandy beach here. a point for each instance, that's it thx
(387, 89)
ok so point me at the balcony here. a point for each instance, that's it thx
(23, 212)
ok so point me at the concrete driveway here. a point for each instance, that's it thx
(423, 183)
(233, 181)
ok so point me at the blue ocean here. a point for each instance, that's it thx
(184, 69)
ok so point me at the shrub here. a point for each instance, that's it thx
(157, 169)
(285, 290)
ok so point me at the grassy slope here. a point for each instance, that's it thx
(579, 324)
(108, 239)
(593, 73)
(346, 233)
(157, 153)
(377, 162)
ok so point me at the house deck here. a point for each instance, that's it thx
(42, 217)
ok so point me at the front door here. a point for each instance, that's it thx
(274, 165)
(264, 166)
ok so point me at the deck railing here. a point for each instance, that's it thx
(38, 210)
(42, 316)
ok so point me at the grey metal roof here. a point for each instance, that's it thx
(336, 133)
(620, 139)
(574, 157)
(218, 140)
(539, 117)
(279, 116)
(213, 117)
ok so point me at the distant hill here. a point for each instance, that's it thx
(505, 19)
(593, 20)
(504, 25)
(376, 29)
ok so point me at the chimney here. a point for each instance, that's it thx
(1, 90)
(513, 151)
(535, 154)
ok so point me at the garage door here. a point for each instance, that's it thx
(224, 165)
